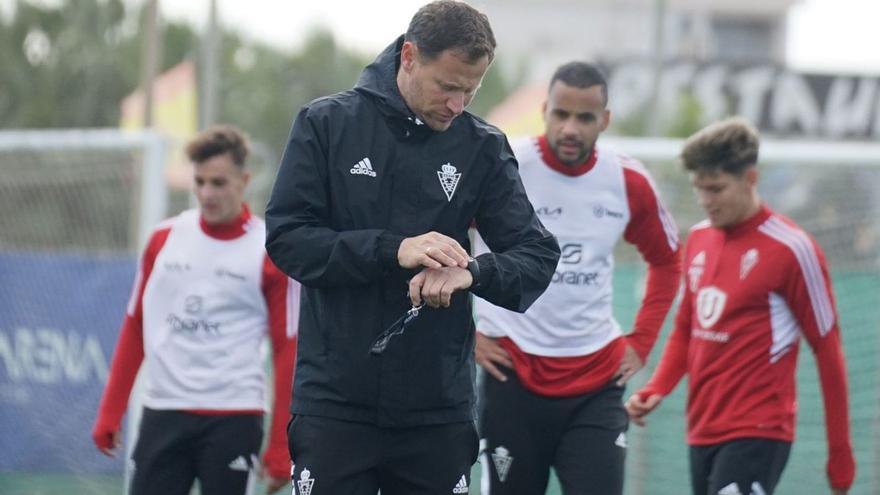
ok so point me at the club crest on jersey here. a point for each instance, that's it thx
(747, 262)
(502, 460)
(449, 177)
(710, 305)
(695, 271)
(305, 482)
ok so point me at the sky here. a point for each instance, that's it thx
(824, 35)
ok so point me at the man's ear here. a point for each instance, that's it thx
(606, 119)
(408, 54)
(751, 176)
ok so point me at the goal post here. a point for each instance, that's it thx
(153, 192)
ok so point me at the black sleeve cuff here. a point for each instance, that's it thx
(482, 272)
(389, 245)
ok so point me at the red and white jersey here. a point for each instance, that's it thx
(204, 319)
(752, 291)
(588, 208)
(204, 301)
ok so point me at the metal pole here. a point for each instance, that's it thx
(654, 120)
(151, 58)
(208, 113)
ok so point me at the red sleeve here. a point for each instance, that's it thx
(654, 233)
(282, 300)
(129, 351)
(673, 363)
(809, 294)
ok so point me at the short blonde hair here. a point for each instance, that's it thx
(730, 146)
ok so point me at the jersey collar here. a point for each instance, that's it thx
(553, 162)
(751, 223)
(228, 231)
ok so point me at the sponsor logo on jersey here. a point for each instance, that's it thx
(502, 460)
(711, 335)
(695, 270)
(600, 211)
(710, 305)
(449, 177)
(573, 277)
(549, 212)
(176, 267)
(747, 262)
(305, 482)
(572, 253)
(192, 304)
(223, 272)
(192, 325)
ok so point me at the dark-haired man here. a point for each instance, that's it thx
(370, 211)
(553, 390)
(756, 283)
(205, 298)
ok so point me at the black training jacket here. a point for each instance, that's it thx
(359, 175)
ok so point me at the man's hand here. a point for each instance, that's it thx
(489, 354)
(638, 408)
(435, 286)
(107, 441)
(431, 250)
(629, 365)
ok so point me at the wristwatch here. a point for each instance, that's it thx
(473, 266)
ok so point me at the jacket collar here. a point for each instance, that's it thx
(379, 81)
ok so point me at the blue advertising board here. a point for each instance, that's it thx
(59, 321)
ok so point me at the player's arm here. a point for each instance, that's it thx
(523, 253)
(127, 357)
(491, 356)
(654, 233)
(670, 370)
(282, 300)
(809, 294)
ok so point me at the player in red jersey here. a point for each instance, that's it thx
(206, 296)
(755, 283)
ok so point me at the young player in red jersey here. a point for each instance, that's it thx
(754, 284)
(553, 393)
(206, 296)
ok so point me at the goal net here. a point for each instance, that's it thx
(77, 209)
(76, 205)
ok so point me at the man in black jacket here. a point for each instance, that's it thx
(370, 212)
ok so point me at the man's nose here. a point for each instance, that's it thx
(569, 128)
(455, 103)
